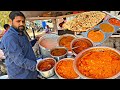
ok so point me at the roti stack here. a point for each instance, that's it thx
(84, 21)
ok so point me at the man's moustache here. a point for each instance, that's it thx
(22, 26)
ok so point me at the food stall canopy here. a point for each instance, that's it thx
(46, 15)
(42, 13)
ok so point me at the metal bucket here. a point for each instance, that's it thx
(46, 73)
(50, 41)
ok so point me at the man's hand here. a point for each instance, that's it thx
(37, 37)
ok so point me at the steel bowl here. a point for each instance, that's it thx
(65, 35)
(46, 73)
(97, 48)
(63, 55)
(87, 40)
(59, 76)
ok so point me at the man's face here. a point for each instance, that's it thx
(19, 23)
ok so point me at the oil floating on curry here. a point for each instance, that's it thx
(46, 65)
(64, 69)
(66, 40)
(96, 35)
(58, 51)
(99, 63)
(81, 44)
(114, 21)
(105, 27)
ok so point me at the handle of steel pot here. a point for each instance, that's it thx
(48, 50)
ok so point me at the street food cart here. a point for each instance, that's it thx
(82, 55)
(94, 27)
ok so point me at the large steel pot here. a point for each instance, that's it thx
(47, 42)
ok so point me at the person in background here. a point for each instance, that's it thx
(43, 24)
(20, 59)
(1, 33)
(6, 27)
(61, 24)
(47, 30)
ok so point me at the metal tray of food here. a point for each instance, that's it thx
(105, 27)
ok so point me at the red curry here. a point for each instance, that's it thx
(58, 52)
(82, 43)
(66, 41)
(46, 65)
(114, 21)
(65, 69)
(99, 64)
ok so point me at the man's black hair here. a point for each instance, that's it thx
(64, 18)
(6, 26)
(13, 14)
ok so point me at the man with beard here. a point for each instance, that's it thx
(20, 58)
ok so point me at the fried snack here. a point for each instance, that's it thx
(84, 21)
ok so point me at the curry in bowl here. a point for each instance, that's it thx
(58, 51)
(80, 44)
(46, 65)
(64, 69)
(98, 63)
(96, 35)
(65, 41)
